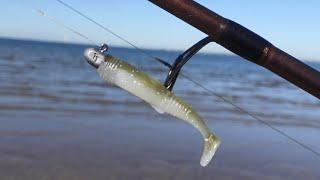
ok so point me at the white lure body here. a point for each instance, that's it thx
(138, 83)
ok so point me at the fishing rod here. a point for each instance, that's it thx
(174, 69)
(244, 43)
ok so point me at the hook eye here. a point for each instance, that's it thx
(103, 48)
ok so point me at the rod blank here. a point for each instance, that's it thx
(244, 43)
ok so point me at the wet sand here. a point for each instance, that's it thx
(146, 147)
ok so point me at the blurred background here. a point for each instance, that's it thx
(59, 120)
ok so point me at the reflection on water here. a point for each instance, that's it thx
(60, 121)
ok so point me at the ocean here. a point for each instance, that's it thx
(59, 120)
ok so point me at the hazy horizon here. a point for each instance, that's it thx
(130, 47)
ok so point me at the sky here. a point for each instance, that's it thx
(292, 25)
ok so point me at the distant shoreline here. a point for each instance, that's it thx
(128, 47)
(115, 46)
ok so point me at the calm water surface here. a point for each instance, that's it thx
(59, 120)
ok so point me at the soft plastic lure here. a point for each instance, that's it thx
(138, 83)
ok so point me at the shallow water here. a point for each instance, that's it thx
(60, 121)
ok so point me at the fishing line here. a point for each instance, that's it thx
(113, 33)
(209, 91)
(42, 13)
(61, 24)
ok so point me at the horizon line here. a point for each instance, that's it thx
(116, 46)
(129, 47)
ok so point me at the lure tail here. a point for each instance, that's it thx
(211, 145)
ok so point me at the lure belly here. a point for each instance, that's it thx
(138, 83)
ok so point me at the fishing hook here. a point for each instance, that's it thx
(182, 60)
